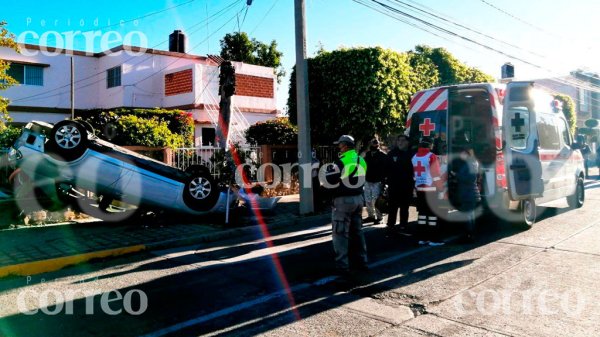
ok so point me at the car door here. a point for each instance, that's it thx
(524, 170)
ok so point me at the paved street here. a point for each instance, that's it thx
(539, 282)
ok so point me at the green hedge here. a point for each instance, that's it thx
(272, 132)
(366, 91)
(360, 91)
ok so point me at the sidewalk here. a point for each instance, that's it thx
(35, 250)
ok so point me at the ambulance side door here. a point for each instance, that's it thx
(568, 154)
(523, 166)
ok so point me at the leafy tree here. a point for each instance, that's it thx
(6, 40)
(450, 69)
(240, 47)
(569, 110)
(360, 91)
(275, 131)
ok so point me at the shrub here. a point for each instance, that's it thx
(180, 123)
(272, 132)
(8, 136)
(134, 130)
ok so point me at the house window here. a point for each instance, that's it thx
(27, 74)
(113, 77)
(584, 99)
(208, 136)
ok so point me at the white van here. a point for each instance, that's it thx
(520, 138)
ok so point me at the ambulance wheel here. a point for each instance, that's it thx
(576, 200)
(528, 212)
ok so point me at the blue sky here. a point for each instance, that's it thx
(556, 36)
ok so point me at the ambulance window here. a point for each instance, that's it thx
(548, 134)
(564, 132)
(518, 93)
(519, 128)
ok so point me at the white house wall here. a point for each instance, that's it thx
(26, 117)
(55, 93)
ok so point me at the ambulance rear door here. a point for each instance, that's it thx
(521, 142)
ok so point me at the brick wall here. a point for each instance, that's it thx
(248, 85)
(179, 82)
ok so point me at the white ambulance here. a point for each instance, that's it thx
(519, 136)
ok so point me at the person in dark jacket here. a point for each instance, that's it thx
(399, 178)
(376, 162)
(464, 174)
(345, 181)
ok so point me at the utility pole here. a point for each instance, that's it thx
(226, 90)
(72, 88)
(304, 148)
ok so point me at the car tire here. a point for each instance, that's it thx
(576, 200)
(88, 126)
(527, 213)
(68, 140)
(201, 191)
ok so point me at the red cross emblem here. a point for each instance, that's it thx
(426, 127)
(419, 168)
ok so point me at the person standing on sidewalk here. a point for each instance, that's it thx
(400, 180)
(346, 181)
(376, 162)
(465, 172)
(428, 183)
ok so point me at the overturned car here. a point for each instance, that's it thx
(66, 164)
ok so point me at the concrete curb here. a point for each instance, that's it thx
(44, 266)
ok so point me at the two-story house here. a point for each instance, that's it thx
(132, 77)
(582, 87)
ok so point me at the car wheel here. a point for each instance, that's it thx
(88, 126)
(68, 140)
(528, 212)
(576, 200)
(201, 191)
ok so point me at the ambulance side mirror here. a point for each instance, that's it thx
(576, 146)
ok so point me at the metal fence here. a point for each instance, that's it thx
(327, 154)
(213, 157)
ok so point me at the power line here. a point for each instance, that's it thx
(245, 13)
(264, 17)
(158, 71)
(146, 15)
(518, 19)
(465, 27)
(403, 20)
(42, 95)
(448, 32)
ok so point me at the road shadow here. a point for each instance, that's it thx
(210, 291)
